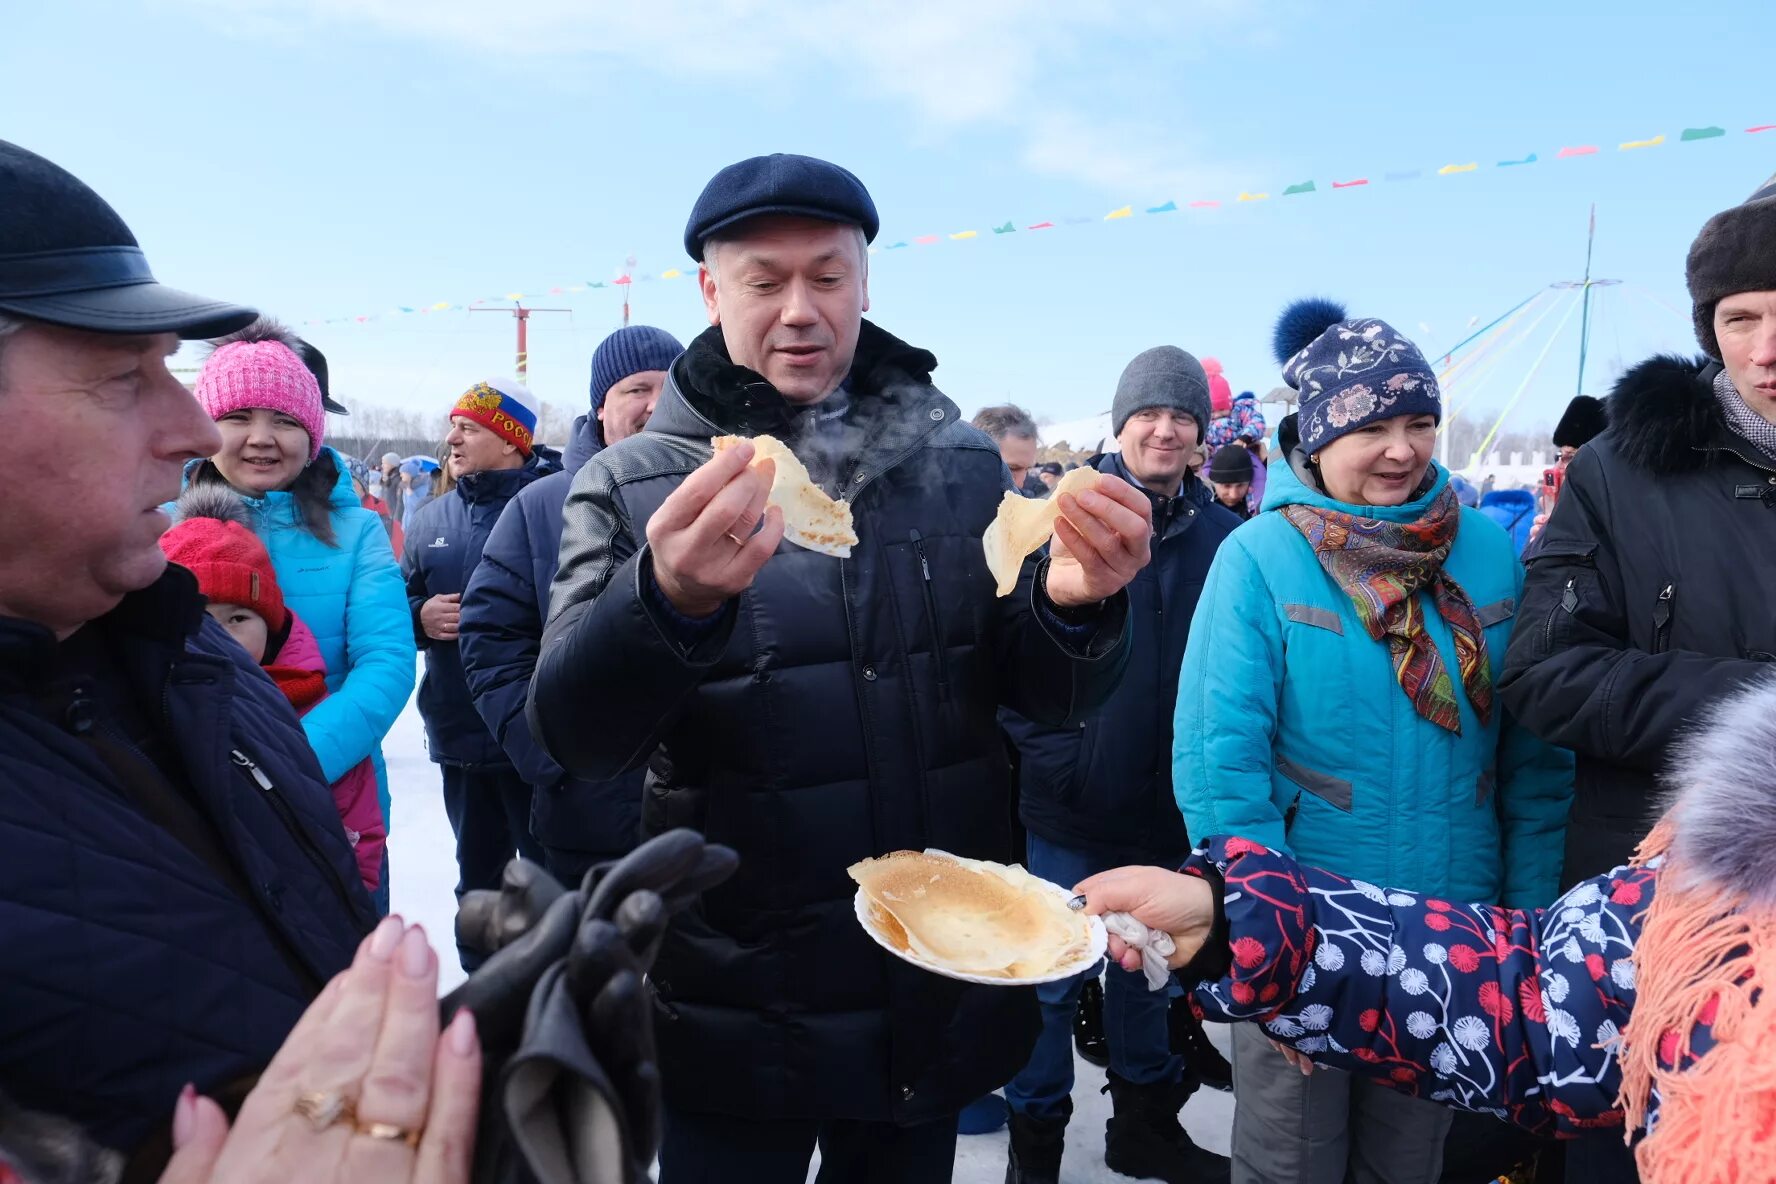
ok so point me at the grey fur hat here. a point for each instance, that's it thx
(1736, 252)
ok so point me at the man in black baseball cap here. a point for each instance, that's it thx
(809, 710)
(129, 719)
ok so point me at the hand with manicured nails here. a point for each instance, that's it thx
(439, 616)
(1183, 906)
(1101, 539)
(705, 549)
(372, 1036)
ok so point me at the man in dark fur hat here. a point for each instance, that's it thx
(1649, 598)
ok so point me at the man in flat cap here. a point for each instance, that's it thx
(175, 884)
(1649, 594)
(813, 711)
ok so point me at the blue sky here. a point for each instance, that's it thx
(324, 158)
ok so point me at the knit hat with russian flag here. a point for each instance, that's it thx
(502, 406)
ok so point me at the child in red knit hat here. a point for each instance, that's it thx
(215, 542)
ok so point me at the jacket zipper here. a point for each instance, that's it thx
(1662, 619)
(1568, 604)
(294, 825)
(939, 654)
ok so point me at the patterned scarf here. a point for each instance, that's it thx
(1381, 565)
(1745, 422)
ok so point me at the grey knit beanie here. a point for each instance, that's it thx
(1164, 376)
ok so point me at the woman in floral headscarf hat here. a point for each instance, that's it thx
(1337, 702)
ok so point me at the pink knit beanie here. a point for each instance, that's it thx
(1220, 390)
(259, 367)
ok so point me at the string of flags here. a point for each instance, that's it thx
(626, 278)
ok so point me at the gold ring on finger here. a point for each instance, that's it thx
(388, 1132)
(736, 539)
(325, 1107)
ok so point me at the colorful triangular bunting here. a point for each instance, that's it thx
(1304, 187)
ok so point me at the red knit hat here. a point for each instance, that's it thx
(231, 565)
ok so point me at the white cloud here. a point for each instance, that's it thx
(1036, 69)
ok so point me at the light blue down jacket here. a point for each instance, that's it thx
(1292, 730)
(352, 597)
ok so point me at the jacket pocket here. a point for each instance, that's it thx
(1581, 559)
(1319, 618)
(1334, 791)
(940, 658)
(1663, 610)
(298, 832)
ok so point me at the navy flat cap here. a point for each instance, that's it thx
(67, 258)
(781, 183)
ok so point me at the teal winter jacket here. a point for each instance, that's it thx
(1292, 730)
(352, 597)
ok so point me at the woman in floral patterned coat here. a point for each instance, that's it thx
(1634, 1002)
(1336, 702)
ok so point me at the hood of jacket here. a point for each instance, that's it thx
(587, 441)
(1293, 483)
(300, 650)
(1723, 783)
(499, 485)
(279, 504)
(1664, 416)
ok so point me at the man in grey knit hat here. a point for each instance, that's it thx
(1100, 796)
(1650, 593)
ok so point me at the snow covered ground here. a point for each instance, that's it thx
(423, 875)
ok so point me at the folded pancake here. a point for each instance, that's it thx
(1023, 524)
(969, 916)
(810, 518)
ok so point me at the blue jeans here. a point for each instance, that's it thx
(1134, 1017)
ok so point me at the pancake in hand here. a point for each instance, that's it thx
(969, 916)
(810, 518)
(1023, 524)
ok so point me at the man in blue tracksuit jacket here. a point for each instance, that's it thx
(492, 457)
(577, 822)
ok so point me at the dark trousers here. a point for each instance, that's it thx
(722, 1149)
(1601, 1158)
(489, 810)
(569, 865)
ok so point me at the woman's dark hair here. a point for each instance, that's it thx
(312, 489)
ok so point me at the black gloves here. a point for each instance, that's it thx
(565, 1014)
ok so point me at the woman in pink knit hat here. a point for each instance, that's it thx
(332, 556)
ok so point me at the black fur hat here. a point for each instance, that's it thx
(1736, 252)
(1584, 419)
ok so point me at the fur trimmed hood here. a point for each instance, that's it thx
(1723, 805)
(1663, 413)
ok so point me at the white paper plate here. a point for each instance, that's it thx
(1093, 952)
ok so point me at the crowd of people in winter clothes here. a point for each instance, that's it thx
(1285, 694)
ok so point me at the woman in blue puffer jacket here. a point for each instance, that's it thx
(332, 556)
(1336, 701)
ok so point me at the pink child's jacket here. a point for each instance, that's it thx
(300, 672)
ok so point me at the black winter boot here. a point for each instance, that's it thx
(1036, 1148)
(1088, 1024)
(1144, 1138)
(1202, 1060)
